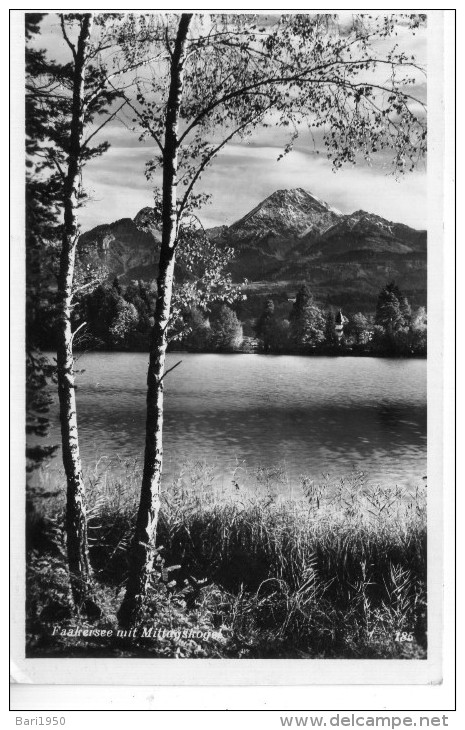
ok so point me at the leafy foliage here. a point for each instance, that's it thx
(396, 331)
(39, 373)
(226, 330)
(392, 309)
(42, 232)
(336, 571)
(240, 72)
(307, 322)
(205, 279)
(244, 71)
(265, 324)
(359, 329)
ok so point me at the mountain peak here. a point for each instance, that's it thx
(289, 237)
(299, 196)
(286, 212)
(286, 194)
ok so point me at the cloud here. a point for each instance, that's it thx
(246, 172)
(116, 185)
(243, 175)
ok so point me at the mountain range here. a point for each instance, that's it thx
(290, 237)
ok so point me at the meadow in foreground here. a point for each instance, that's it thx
(334, 569)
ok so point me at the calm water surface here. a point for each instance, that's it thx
(314, 415)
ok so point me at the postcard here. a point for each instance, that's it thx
(229, 256)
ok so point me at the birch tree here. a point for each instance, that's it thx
(74, 101)
(76, 522)
(218, 78)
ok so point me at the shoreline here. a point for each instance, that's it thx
(415, 356)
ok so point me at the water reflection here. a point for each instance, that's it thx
(317, 415)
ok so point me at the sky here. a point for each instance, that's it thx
(248, 171)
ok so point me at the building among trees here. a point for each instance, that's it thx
(339, 322)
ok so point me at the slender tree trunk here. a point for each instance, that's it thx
(142, 551)
(76, 523)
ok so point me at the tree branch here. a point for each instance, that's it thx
(77, 330)
(107, 120)
(128, 69)
(283, 79)
(167, 42)
(85, 286)
(58, 166)
(144, 122)
(170, 370)
(212, 154)
(65, 35)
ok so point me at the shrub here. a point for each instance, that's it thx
(336, 571)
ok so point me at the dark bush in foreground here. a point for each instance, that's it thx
(338, 572)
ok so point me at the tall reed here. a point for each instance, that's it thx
(319, 568)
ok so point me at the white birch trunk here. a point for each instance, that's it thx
(76, 523)
(142, 551)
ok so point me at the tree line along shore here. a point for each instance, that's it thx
(120, 317)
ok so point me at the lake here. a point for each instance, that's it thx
(312, 415)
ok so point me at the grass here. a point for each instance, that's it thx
(338, 571)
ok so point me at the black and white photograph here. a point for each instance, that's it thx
(228, 247)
